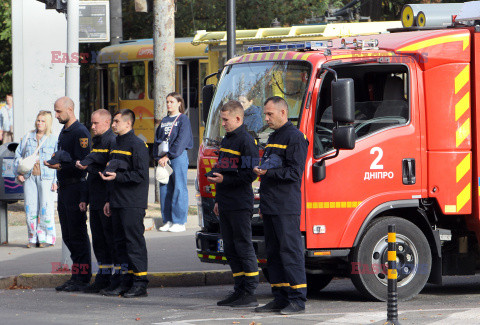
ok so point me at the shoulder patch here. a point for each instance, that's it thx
(83, 142)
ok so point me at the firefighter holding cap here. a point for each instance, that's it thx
(233, 176)
(281, 173)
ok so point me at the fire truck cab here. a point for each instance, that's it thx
(391, 121)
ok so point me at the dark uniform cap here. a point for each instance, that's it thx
(93, 157)
(61, 156)
(271, 162)
(210, 173)
(115, 165)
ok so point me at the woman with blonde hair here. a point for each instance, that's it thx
(40, 183)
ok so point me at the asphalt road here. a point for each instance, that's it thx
(456, 302)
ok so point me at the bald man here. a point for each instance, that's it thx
(100, 224)
(74, 139)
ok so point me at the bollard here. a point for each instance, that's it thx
(392, 307)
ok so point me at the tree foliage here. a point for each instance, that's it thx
(6, 46)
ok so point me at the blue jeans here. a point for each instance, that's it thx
(174, 194)
(39, 209)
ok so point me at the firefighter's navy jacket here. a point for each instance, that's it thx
(97, 187)
(76, 141)
(280, 188)
(130, 188)
(238, 155)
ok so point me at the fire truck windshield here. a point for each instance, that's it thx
(251, 84)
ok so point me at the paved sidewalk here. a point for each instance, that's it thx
(172, 256)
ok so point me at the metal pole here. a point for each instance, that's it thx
(231, 26)
(3, 222)
(163, 59)
(392, 307)
(72, 69)
(116, 24)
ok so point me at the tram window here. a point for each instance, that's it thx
(132, 81)
(112, 86)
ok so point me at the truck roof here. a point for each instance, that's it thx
(430, 47)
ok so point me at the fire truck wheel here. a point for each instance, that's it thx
(316, 282)
(265, 273)
(369, 260)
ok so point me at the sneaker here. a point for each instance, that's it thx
(271, 307)
(166, 226)
(177, 228)
(245, 300)
(292, 308)
(230, 298)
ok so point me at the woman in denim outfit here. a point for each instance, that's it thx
(40, 184)
(174, 195)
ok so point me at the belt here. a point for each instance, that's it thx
(70, 181)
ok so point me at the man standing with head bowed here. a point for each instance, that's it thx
(75, 140)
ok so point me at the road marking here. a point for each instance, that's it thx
(459, 316)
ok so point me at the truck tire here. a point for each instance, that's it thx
(316, 282)
(369, 260)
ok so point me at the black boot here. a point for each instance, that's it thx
(136, 291)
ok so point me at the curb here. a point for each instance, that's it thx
(156, 279)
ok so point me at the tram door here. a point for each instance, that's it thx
(187, 85)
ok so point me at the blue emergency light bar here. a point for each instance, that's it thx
(306, 46)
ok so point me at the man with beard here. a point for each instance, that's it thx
(75, 140)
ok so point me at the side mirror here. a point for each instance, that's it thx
(207, 93)
(344, 137)
(343, 101)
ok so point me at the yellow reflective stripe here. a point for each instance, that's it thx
(392, 237)
(280, 146)
(140, 273)
(280, 284)
(462, 79)
(463, 132)
(121, 152)
(99, 150)
(464, 197)
(105, 266)
(130, 272)
(392, 274)
(251, 274)
(437, 41)
(299, 286)
(238, 274)
(117, 267)
(463, 167)
(333, 205)
(392, 256)
(238, 153)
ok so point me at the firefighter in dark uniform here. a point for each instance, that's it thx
(280, 206)
(100, 224)
(74, 139)
(233, 176)
(127, 201)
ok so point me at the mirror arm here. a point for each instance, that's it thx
(332, 71)
(322, 161)
(208, 77)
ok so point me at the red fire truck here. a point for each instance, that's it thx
(393, 139)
